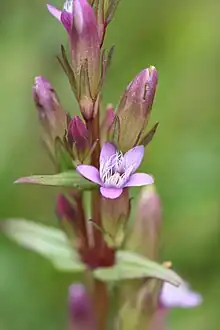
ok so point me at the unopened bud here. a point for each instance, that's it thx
(81, 316)
(51, 115)
(135, 108)
(115, 213)
(65, 209)
(173, 297)
(78, 137)
(79, 19)
(85, 43)
(145, 235)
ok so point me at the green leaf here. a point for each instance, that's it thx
(149, 136)
(115, 130)
(111, 8)
(64, 160)
(50, 242)
(67, 69)
(71, 179)
(130, 265)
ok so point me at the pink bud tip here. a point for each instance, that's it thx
(65, 209)
(80, 309)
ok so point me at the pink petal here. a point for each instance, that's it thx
(89, 172)
(55, 12)
(107, 151)
(66, 20)
(181, 296)
(111, 193)
(139, 179)
(133, 158)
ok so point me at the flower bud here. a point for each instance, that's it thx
(81, 316)
(115, 213)
(135, 108)
(65, 209)
(85, 54)
(173, 297)
(51, 115)
(78, 18)
(78, 137)
(145, 235)
(181, 296)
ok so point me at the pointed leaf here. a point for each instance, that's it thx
(111, 8)
(149, 136)
(115, 130)
(84, 80)
(49, 242)
(67, 69)
(71, 179)
(64, 160)
(106, 59)
(130, 265)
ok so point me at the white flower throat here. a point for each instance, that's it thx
(114, 172)
(68, 6)
(78, 15)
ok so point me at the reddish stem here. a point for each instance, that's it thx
(82, 221)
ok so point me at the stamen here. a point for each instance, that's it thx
(113, 171)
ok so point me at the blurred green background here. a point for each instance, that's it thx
(182, 40)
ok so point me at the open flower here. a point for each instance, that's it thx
(78, 18)
(173, 297)
(181, 296)
(116, 170)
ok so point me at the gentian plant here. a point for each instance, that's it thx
(95, 162)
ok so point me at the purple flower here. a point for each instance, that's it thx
(135, 107)
(65, 209)
(78, 137)
(51, 114)
(63, 16)
(181, 296)
(79, 20)
(172, 297)
(116, 170)
(81, 314)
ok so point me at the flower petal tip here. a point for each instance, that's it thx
(140, 179)
(111, 193)
(180, 296)
(89, 172)
(54, 12)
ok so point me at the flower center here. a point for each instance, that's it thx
(68, 6)
(114, 172)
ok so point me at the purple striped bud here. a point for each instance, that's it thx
(79, 20)
(135, 108)
(51, 115)
(85, 43)
(115, 214)
(78, 137)
(81, 316)
(146, 232)
(65, 209)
